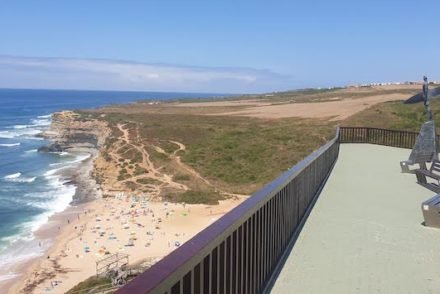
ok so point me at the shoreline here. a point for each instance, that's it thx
(156, 233)
(95, 225)
(53, 231)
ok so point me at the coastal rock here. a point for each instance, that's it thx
(68, 131)
(55, 147)
(71, 133)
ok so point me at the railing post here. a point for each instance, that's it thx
(368, 135)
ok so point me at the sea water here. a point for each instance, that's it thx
(30, 188)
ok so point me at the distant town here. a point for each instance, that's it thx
(390, 83)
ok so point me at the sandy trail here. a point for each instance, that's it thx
(153, 172)
(184, 166)
(196, 174)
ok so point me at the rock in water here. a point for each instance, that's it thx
(55, 147)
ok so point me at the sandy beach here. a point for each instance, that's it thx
(105, 226)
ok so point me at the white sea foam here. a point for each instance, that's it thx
(77, 160)
(33, 138)
(53, 201)
(26, 247)
(10, 145)
(27, 131)
(17, 178)
(45, 116)
(24, 180)
(8, 276)
(12, 176)
(55, 198)
(18, 127)
(23, 249)
(21, 252)
(52, 172)
(19, 133)
(7, 135)
(40, 122)
(62, 153)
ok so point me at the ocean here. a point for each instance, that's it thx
(30, 190)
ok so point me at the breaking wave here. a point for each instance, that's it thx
(17, 178)
(10, 145)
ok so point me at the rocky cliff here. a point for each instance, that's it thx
(70, 133)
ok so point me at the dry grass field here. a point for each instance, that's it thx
(204, 151)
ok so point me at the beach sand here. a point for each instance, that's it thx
(97, 229)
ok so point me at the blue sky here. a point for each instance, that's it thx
(216, 46)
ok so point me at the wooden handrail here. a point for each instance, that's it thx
(240, 250)
(393, 138)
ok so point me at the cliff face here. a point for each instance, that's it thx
(69, 133)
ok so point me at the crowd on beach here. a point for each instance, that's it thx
(124, 223)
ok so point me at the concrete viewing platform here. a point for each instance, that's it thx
(365, 233)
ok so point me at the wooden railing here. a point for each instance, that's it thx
(241, 252)
(393, 138)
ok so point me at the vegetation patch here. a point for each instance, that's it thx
(147, 181)
(235, 153)
(195, 197)
(182, 177)
(168, 146)
(131, 185)
(139, 171)
(394, 115)
(92, 283)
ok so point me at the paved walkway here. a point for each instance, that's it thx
(365, 234)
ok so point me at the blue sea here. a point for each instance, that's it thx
(30, 190)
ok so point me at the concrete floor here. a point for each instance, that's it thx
(364, 234)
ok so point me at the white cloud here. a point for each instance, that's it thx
(70, 73)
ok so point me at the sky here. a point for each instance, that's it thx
(227, 46)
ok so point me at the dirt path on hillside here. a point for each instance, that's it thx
(153, 172)
(196, 174)
(153, 178)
